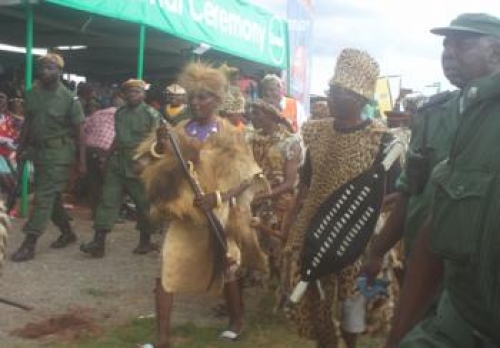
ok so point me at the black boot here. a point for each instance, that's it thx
(26, 251)
(65, 238)
(145, 246)
(97, 247)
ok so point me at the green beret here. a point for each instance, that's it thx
(475, 23)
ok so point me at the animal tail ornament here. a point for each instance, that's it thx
(345, 221)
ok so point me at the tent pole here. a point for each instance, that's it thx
(140, 54)
(28, 83)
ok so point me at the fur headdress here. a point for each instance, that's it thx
(199, 76)
(52, 58)
(356, 71)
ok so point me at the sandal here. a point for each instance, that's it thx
(229, 335)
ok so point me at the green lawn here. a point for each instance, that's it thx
(263, 330)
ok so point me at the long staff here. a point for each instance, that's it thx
(217, 235)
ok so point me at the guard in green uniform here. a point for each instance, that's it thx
(133, 123)
(432, 131)
(50, 134)
(460, 246)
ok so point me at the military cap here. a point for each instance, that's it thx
(53, 58)
(175, 89)
(474, 23)
(134, 83)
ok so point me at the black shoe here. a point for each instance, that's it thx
(63, 240)
(144, 248)
(26, 251)
(95, 249)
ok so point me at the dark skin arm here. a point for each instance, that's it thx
(290, 170)
(422, 283)
(391, 233)
(209, 201)
(302, 194)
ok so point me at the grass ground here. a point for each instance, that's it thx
(263, 330)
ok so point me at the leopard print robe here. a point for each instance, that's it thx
(336, 157)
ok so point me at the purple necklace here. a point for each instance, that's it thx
(201, 131)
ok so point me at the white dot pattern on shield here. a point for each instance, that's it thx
(335, 223)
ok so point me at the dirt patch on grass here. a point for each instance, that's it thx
(72, 325)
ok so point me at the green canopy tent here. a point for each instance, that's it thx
(145, 37)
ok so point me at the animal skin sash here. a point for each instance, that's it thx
(342, 226)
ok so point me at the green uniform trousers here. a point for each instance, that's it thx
(114, 186)
(50, 181)
(445, 329)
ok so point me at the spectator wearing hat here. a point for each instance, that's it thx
(457, 250)
(273, 91)
(176, 109)
(51, 133)
(278, 151)
(133, 123)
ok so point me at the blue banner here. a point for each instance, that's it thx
(300, 26)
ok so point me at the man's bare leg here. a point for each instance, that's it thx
(234, 301)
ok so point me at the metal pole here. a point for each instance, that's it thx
(140, 54)
(28, 83)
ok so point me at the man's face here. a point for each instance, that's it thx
(344, 103)
(471, 52)
(203, 104)
(273, 93)
(134, 96)
(451, 69)
(48, 72)
(176, 99)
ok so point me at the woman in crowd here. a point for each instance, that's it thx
(9, 131)
(222, 162)
(278, 151)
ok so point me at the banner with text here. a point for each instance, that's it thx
(231, 26)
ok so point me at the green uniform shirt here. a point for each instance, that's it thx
(439, 120)
(132, 126)
(52, 117)
(466, 210)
